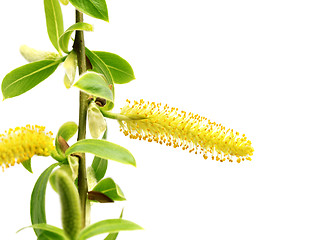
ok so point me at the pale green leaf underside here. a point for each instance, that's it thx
(94, 84)
(102, 149)
(108, 187)
(65, 37)
(54, 20)
(93, 8)
(107, 226)
(120, 69)
(24, 78)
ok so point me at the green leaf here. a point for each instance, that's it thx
(54, 19)
(50, 236)
(120, 69)
(93, 8)
(27, 165)
(47, 227)
(113, 236)
(99, 165)
(93, 83)
(103, 149)
(37, 204)
(65, 37)
(100, 67)
(24, 78)
(107, 226)
(66, 131)
(70, 66)
(108, 187)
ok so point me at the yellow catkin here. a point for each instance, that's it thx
(20, 144)
(191, 132)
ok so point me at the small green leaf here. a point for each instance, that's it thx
(120, 69)
(93, 83)
(46, 227)
(66, 131)
(102, 149)
(100, 67)
(99, 165)
(93, 8)
(107, 226)
(37, 204)
(96, 121)
(27, 165)
(24, 78)
(54, 19)
(64, 38)
(108, 187)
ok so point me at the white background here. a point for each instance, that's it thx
(259, 67)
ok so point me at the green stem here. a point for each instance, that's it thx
(79, 48)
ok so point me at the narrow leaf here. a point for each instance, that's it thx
(54, 19)
(107, 226)
(120, 69)
(64, 38)
(113, 236)
(93, 8)
(93, 83)
(24, 78)
(27, 165)
(102, 149)
(110, 189)
(46, 227)
(37, 204)
(70, 66)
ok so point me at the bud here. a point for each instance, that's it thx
(64, 2)
(97, 123)
(70, 66)
(33, 55)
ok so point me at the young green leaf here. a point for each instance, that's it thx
(93, 8)
(94, 84)
(54, 19)
(108, 187)
(107, 226)
(99, 165)
(100, 67)
(96, 121)
(64, 38)
(47, 227)
(66, 131)
(37, 204)
(120, 69)
(24, 78)
(102, 149)
(27, 165)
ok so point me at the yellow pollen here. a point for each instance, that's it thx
(20, 144)
(162, 124)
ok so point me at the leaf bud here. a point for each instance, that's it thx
(97, 123)
(33, 55)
